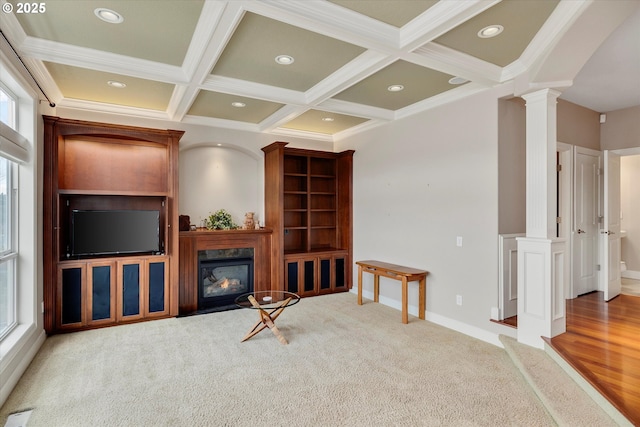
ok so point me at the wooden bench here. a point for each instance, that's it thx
(397, 272)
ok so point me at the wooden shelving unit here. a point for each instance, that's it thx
(98, 166)
(308, 196)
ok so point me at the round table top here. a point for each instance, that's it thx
(267, 299)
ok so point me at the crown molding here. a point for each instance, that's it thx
(42, 76)
(316, 136)
(447, 97)
(362, 127)
(99, 107)
(551, 32)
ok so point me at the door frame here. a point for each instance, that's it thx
(571, 291)
(565, 207)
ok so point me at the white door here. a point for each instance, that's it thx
(508, 281)
(585, 223)
(611, 230)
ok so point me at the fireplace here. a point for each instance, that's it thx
(223, 274)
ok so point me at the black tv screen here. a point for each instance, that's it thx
(106, 232)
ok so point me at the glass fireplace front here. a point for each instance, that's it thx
(222, 276)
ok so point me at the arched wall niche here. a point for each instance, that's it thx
(220, 176)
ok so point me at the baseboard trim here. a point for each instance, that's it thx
(456, 325)
(18, 359)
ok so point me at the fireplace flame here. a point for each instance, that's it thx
(225, 283)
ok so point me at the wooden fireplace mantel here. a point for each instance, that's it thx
(202, 239)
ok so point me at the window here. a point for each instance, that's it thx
(21, 321)
(7, 108)
(8, 253)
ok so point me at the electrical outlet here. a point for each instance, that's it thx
(459, 241)
(459, 299)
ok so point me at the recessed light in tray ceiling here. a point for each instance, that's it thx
(257, 40)
(232, 107)
(419, 83)
(160, 34)
(521, 21)
(323, 122)
(89, 85)
(108, 15)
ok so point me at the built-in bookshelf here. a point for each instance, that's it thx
(308, 197)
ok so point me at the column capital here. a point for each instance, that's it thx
(540, 95)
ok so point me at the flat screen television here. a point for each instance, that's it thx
(111, 232)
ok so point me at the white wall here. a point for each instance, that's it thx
(630, 210)
(213, 178)
(418, 184)
(512, 142)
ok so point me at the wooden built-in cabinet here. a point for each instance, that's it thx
(308, 198)
(98, 166)
(316, 274)
(97, 292)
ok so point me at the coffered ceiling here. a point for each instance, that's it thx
(214, 62)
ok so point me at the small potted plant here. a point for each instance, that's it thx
(220, 220)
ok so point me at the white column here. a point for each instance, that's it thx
(542, 272)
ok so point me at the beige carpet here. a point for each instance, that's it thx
(346, 365)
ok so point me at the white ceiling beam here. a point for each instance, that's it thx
(221, 123)
(213, 31)
(209, 24)
(281, 117)
(331, 20)
(358, 110)
(253, 90)
(446, 60)
(356, 70)
(439, 19)
(61, 53)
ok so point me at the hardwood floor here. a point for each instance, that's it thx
(602, 343)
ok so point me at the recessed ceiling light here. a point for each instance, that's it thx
(395, 88)
(284, 59)
(116, 84)
(238, 104)
(327, 119)
(490, 31)
(108, 15)
(457, 80)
